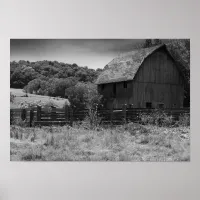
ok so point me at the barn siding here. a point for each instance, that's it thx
(123, 95)
(157, 81)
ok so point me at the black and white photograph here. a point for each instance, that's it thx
(104, 100)
(100, 100)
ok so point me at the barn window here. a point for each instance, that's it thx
(125, 84)
(161, 105)
(174, 105)
(130, 105)
(148, 105)
(114, 89)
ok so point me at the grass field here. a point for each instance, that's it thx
(132, 142)
(20, 97)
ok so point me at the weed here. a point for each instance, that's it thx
(19, 122)
(130, 142)
(32, 154)
(156, 117)
(12, 97)
(134, 128)
(184, 120)
(144, 139)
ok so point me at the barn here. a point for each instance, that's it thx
(143, 78)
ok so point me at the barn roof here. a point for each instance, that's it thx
(125, 66)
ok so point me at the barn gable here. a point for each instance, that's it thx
(159, 67)
(158, 82)
(125, 66)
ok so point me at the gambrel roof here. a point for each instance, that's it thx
(125, 66)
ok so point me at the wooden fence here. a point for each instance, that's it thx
(61, 116)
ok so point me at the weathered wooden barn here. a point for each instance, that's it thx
(143, 78)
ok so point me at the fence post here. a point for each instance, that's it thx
(31, 117)
(66, 113)
(23, 114)
(124, 112)
(53, 114)
(111, 115)
(71, 116)
(38, 113)
(11, 116)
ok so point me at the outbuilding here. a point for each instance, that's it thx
(143, 78)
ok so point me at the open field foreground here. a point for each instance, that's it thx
(131, 142)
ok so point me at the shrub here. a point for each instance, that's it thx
(134, 128)
(168, 121)
(12, 97)
(156, 117)
(19, 122)
(16, 133)
(144, 139)
(93, 118)
(83, 96)
(32, 154)
(33, 137)
(50, 141)
(184, 120)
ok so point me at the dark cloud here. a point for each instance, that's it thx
(88, 52)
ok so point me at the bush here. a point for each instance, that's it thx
(19, 122)
(16, 132)
(32, 154)
(184, 120)
(83, 96)
(156, 117)
(144, 139)
(93, 118)
(12, 98)
(91, 121)
(134, 129)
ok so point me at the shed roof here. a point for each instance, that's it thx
(125, 66)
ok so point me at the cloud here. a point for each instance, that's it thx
(87, 52)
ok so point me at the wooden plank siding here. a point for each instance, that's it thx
(158, 80)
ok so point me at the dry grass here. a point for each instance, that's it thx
(132, 142)
(20, 97)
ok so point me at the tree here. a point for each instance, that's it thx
(83, 95)
(180, 51)
(33, 86)
(157, 41)
(147, 43)
(22, 75)
(22, 72)
(151, 42)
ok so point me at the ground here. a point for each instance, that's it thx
(20, 97)
(132, 142)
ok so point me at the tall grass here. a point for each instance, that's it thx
(130, 142)
(12, 97)
(91, 121)
(184, 120)
(160, 118)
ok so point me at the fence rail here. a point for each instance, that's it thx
(58, 116)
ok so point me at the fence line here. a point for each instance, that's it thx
(58, 116)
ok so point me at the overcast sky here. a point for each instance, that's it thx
(94, 53)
